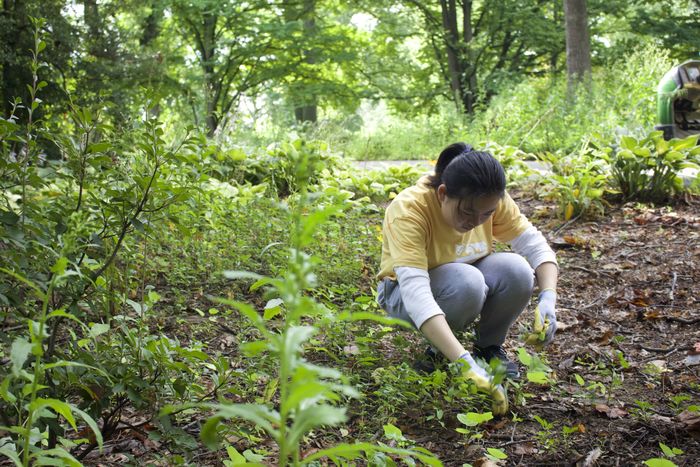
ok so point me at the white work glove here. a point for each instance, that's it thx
(484, 382)
(545, 315)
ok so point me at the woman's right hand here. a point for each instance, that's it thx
(484, 382)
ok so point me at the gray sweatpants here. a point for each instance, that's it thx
(495, 289)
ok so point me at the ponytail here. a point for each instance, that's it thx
(446, 156)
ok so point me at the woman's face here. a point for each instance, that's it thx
(465, 214)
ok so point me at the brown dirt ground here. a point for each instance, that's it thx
(629, 284)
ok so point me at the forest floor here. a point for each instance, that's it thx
(626, 358)
(629, 312)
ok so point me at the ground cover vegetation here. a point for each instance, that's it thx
(181, 286)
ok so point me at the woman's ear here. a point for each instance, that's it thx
(442, 193)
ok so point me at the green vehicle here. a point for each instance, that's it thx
(678, 101)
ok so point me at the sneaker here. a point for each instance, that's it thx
(496, 351)
(429, 361)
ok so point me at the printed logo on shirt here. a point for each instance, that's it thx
(471, 252)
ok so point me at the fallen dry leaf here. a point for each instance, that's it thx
(485, 462)
(525, 449)
(666, 219)
(640, 302)
(577, 241)
(611, 412)
(661, 419)
(690, 421)
(653, 314)
(563, 325)
(617, 412)
(605, 338)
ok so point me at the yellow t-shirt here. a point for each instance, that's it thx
(415, 234)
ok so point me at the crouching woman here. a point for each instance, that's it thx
(439, 270)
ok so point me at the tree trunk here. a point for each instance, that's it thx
(462, 73)
(212, 88)
(578, 43)
(306, 113)
(91, 16)
(152, 24)
(6, 64)
(469, 66)
(151, 30)
(15, 71)
(449, 24)
(307, 110)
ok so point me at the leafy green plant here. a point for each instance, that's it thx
(513, 161)
(538, 114)
(643, 411)
(395, 387)
(648, 169)
(387, 135)
(659, 462)
(310, 396)
(495, 454)
(471, 420)
(35, 412)
(377, 185)
(668, 452)
(277, 166)
(537, 370)
(545, 436)
(577, 183)
(678, 402)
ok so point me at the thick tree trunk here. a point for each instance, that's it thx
(91, 16)
(15, 72)
(449, 24)
(307, 113)
(462, 74)
(578, 43)
(212, 88)
(307, 110)
(6, 64)
(469, 67)
(152, 24)
(151, 31)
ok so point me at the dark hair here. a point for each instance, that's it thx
(468, 173)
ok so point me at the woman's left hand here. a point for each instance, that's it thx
(547, 314)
